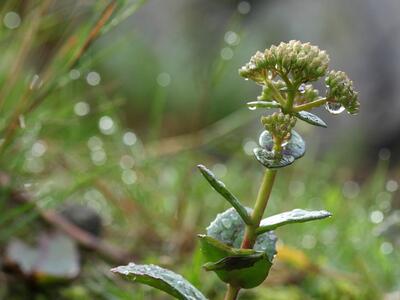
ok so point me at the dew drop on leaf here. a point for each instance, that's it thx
(334, 108)
(252, 107)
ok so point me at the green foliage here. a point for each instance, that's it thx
(310, 118)
(293, 149)
(162, 279)
(294, 216)
(219, 186)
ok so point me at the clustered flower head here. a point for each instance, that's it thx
(286, 73)
(302, 61)
(279, 125)
(340, 90)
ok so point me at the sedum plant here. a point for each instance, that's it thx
(239, 245)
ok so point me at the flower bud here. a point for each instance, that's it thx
(340, 90)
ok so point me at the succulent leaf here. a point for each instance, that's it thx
(219, 186)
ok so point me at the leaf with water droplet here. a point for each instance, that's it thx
(334, 108)
(219, 186)
(267, 159)
(162, 279)
(252, 105)
(222, 242)
(294, 216)
(311, 118)
(295, 147)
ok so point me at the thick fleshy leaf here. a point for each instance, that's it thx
(263, 104)
(221, 250)
(237, 262)
(56, 258)
(162, 279)
(311, 118)
(295, 147)
(219, 186)
(267, 159)
(293, 216)
(228, 228)
(246, 268)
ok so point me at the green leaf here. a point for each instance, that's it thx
(311, 118)
(246, 268)
(267, 159)
(228, 228)
(293, 216)
(295, 147)
(219, 186)
(263, 104)
(223, 240)
(230, 263)
(162, 279)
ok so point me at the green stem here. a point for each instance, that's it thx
(310, 105)
(277, 94)
(259, 208)
(232, 292)
(250, 235)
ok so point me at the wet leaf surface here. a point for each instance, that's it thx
(293, 216)
(162, 279)
(310, 118)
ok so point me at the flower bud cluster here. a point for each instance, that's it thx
(279, 125)
(302, 61)
(340, 90)
(268, 95)
(307, 93)
(255, 68)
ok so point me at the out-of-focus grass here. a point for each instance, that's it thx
(74, 146)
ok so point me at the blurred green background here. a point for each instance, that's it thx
(106, 107)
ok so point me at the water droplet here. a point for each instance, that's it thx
(164, 79)
(384, 154)
(129, 138)
(129, 177)
(302, 88)
(244, 7)
(21, 120)
(376, 216)
(392, 185)
(246, 79)
(106, 125)
(219, 170)
(74, 74)
(126, 162)
(36, 82)
(232, 38)
(226, 53)
(334, 108)
(38, 148)
(95, 143)
(98, 157)
(81, 108)
(252, 107)
(93, 78)
(12, 20)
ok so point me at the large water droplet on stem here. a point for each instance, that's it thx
(334, 108)
(252, 107)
